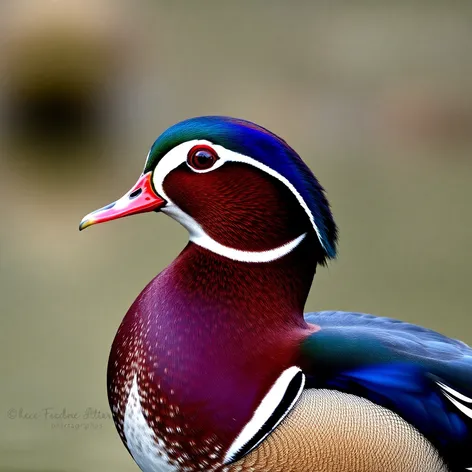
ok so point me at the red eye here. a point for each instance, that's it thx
(202, 157)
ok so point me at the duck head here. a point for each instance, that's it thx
(241, 191)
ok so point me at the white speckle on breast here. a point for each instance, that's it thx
(148, 452)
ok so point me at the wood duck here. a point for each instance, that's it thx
(216, 368)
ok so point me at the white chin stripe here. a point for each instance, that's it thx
(247, 256)
(178, 155)
(273, 408)
(202, 239)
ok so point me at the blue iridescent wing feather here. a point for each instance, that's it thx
(423, 376)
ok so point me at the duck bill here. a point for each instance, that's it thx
(140, 199)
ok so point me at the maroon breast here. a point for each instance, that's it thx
(203, 355)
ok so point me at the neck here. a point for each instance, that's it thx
(253, 293)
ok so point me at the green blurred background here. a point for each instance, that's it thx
(375, 96)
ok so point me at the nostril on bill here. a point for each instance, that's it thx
(135, 193)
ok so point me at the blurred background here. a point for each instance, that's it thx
(375, 96)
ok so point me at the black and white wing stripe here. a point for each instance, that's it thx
(273, 408)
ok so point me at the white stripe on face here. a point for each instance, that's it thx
(178, 155)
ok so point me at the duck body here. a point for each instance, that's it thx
(215, 367)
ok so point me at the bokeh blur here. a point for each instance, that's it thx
(375, 96)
